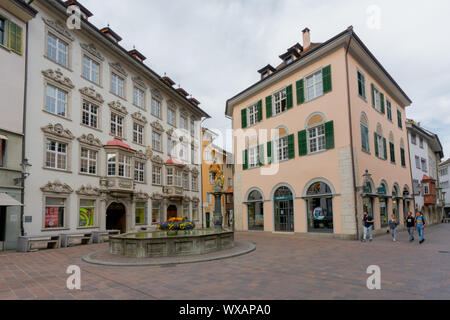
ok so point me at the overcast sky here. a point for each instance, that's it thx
(213, 48)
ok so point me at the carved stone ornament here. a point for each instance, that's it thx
(57, 76)
(141, 155)
(92, 50)
(58, 131)
(195, 171)
(88, 190)
(59, 27)
(171, 104)
(195, 199)
(157, 196)
(57, 187)
(118, 67)
(171, 133)
(90, 140)
(139, 117)
(157, 94)
(157, 159)
(186, 199)
(140, 195)
(118, 107)
(140, 82)
(157, 126)
(91, 93)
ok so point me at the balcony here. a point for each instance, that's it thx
(173, 192)
(117, 184)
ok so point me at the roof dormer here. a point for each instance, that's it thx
(111, 34)
(139, 56)
(266, 71)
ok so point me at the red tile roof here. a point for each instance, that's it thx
(174, 162)
(118, 143)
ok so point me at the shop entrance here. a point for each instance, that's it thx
(171, 212)
(284, 210)
(116, 217)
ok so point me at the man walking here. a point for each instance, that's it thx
(410, 225)
(393, 224)
(421, 221)
(368, 224)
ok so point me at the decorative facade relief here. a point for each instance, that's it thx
(91, 93)
(140, 82)
(171, 104)
(157, 126)
(58, 77)
(157, 94)
(139, 117)
(158, 160)
(157, 196)
(142, 155)
(118, 67)
(195, 171)
(92, 50)
(171, 133)
(57, 187)
(195, 199)
(90, 140)
(187, 199)
(88, 190)
(140, 195)
(59, 27)
(118, 107)
(58, 131)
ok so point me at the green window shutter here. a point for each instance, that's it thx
(329, 135)
(289, 98)
(399, 117)
(384, 149)
(326, 75)
(382, 103)
(245, 160)
(302, 143)
(373, 94)
(244, 118)
(269, 152)
(375, 138)
(15, 37)
(269, 107)
(363, 137)
(402, 154)
(261, 155)
(291, 147)
(392, 149)
(300, 91)
(260, 115)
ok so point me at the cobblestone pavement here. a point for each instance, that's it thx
(282, 267)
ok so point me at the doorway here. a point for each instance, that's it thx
(208, 220)
(116, 218)
(171, 212)
(284, 210)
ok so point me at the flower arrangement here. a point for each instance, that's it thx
(176, 224)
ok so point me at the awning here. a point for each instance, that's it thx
(2, 137)
(7, 201)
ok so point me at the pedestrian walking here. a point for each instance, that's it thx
(421, 221)
(393, 224)
(368, 226)
(410, 222)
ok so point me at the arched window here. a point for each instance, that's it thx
(365, 144)
(316, 133)
(380, 143)
(284, 210)
(283, 144)
(319, 207)
(391, 147)
(255, 211)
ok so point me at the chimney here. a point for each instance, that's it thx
(306, 39)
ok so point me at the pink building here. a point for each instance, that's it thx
(319, 139)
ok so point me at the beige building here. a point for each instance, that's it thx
(14, 17)
(319, 139)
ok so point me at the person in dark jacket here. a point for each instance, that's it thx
(410, 222)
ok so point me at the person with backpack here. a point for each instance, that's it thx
(393, 224)
(410, 225)
(368, 225)
(421, 221)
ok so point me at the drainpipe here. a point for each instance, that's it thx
(22, 208)
(351, 138)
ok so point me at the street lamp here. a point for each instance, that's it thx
(24, 174)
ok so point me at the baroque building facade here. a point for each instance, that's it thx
(114, 146)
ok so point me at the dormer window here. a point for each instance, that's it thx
(265, 74)
(289, 60)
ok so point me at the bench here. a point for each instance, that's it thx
(68, 240)
(103, 236)
(29, 243)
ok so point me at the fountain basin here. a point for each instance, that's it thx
(160, 244)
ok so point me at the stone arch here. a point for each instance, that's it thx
(315, 180)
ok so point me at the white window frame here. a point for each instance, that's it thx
(57, 100)
(117, 85)
(58, 52)
(157, 143)
(185, 180)
(279, 102)
(90, 159)
(117, 125)
(89, 114)
(318, 139)
(93, 75)
(139, 171)
(377, 94)
(57, 154)
(171, 117)
(138, 97)
(138, 133)
(194, 182)
(124, 164)
(170, 179)
(282, 149)
(192, 128)
(253, 156)
(156, 175)
(252, 115)
(426, 188)
(156, 105)
(316, 85)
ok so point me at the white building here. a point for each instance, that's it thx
(444, 176)
(113, 145)
(426, 153)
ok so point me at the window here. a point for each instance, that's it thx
(138, 97)
(124, 166)
(54, 213)
(91, 70)
(365, 144)
(90, 115)
(392, 151)
(192, 128)
(141, 213)
(56, 155)
(212, 177)
(170, 146)
(378, 99)
(445, 184)
(195, 212)
(186, 210)
(57, 50)
(194, 183)
(88, 161)
(111, 162)
(361, 85)
(399, 119)
(2, 152)
(2, 31)
(426, 188)
(15, 37)
(183, 123)
(171, 117)
(280, 101)
(210, 199)
(156, 211)
(418, 163)
(169, 176)
(193, 155)
(316, 139)
(117, 85)
(389, 109)
(139, 171)
(56, 101)
(178, 179)
(403, 157)
(413, 138)
(156, 108)
(86, 217)
(281, 147)
(230, 182)
(252, 114)
(186, 181)
(156, 141)
(444, 172)
(253, 157)
(183, 152)
(314, 86)
(138, 133)
(116, 125)
(156, 175)
(424, 165)
(421, 142)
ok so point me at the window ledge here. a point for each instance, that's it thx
(89, 127)
(116, 95)
(362, 98)
(95, 83)
(89, 175)
(317, 152)
(56, 115)
(367, 152)
(117, 137)
(5, 48)
(58, 64)
(54, 229)
(57, 170)
(87, 228)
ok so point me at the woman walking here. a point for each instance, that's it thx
(393, 224)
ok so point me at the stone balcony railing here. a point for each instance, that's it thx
(173, 191)
(117, 184)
